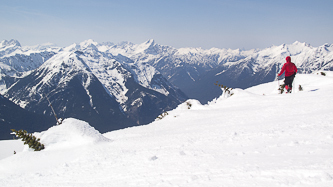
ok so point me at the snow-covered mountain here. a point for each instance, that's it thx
(110, 92)
(254, 138)
(262, 66)
(138, 80)
(16, 60)
(195, 70)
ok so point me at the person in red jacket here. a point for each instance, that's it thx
(289, 69)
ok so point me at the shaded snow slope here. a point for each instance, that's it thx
(254, 138)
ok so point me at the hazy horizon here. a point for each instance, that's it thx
(197, 23)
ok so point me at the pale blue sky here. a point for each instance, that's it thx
(244, 24)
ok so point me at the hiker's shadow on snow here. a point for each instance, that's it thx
(314, 90)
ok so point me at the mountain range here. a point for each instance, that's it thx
(110, 92)
(114, 86)
(195, 70)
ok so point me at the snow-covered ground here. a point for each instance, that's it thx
(254, 138)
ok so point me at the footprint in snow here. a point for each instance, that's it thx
(153, 158)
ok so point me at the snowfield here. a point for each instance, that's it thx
(254, 138)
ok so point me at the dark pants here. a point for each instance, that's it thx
(288, 81)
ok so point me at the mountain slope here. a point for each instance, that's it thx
(248, 139)
(109, 92)
(14, 117)
(73, 90)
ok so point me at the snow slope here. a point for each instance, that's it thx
(254, 138)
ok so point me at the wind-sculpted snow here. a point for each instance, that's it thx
(256, 137)
(70, 134)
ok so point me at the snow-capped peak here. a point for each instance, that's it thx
(72, 47)
(301, 44)
(141, 48)
(149, 42)
(10, 43)
(88, 43)
(40, 47)
(81, 46)
(8, 47)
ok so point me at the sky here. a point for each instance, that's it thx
(244, 24)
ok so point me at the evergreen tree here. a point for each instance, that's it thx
(161, 116)
(29, 139)
(226, 90)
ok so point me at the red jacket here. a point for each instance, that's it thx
(289, 68)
